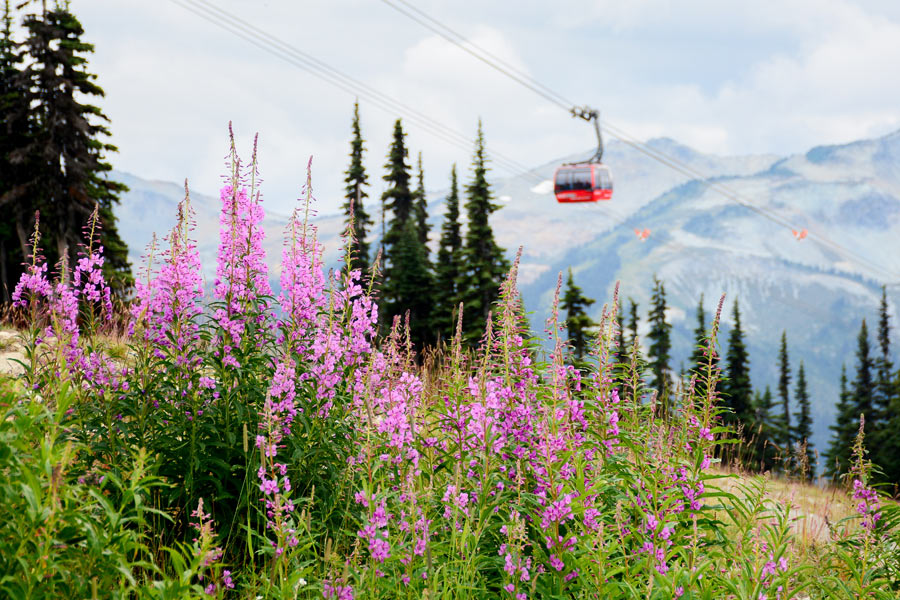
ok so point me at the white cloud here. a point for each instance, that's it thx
(724, 77)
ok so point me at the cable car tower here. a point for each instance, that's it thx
(586, 181)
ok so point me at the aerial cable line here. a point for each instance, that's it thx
(478, 52)
(290, 54)
(407, 9)
(271, 44)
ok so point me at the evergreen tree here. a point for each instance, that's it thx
(355, 181)
(785, 437)
(885, 392)
(578, 323)
(13, 134)
(698, 354)
(889, 455)
(737, 388)
(660, 342)
(762, 430)
(863, 384)
(411, 284)
(420, 206)
(448, 265)
(632, 323)
(407, 281)
(803, 430)
(63, 157)
(484, 265)
(837, 457)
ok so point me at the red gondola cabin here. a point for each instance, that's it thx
(584, 182)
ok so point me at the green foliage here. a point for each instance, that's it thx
(64, 532)
(837, 457)
(659, 353)
(863, 384)
(737, 389)
(61, 160)
(578, 323)
(420, 206)
(407, 273)
(356, 180)
(484, 264)
(803, 430)
(448, 264)
(13, 135)
(785, 435)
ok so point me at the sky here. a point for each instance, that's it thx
(721, 76)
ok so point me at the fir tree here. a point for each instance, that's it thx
(889, 455)
(884, 393)
(13, 134)
(448, 265)
(420, 206)
(63, 157)
(698, 359)
(411, 283)
(785, 436)
(837, 457)
(863, 384)
(660, 342)
(484, 265)
(407, 281)
(578, 323)
(632, 323)
(803, 430)
(397, 197)
(355, 181)
(698, 355)
(737, 388)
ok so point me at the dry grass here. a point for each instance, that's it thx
(816, 508)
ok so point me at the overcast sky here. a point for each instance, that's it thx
(721, 76)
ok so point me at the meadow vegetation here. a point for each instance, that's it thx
(253, 444)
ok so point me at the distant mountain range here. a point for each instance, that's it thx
(700, 243)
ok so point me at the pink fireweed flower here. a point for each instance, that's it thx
(169, 303)
(32, 285)
(241, 271)
(868, 504)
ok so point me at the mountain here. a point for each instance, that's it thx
(701, 242)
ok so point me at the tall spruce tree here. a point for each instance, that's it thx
(13, 134)
(407, 280)
(632, 323)
(785, 436)
(803, 430)
(698, 354)
(578, 323)
(62, 159)
(863, 383)
(889, 455)
(659, 353)
(448, 266)
(884, 393)
(484, 264)
(355, 181)
(837, 457)
(420, 206)
(737, 388)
